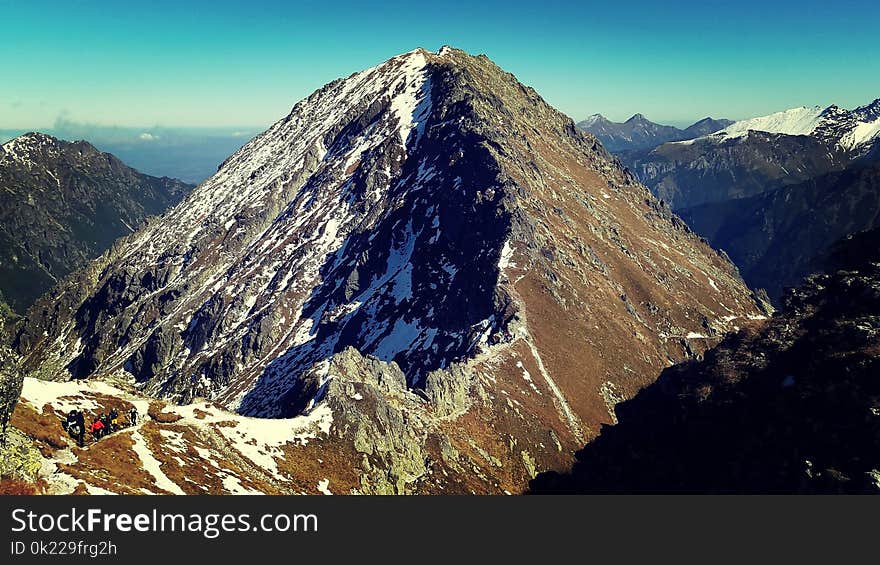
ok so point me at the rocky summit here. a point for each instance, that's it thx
(425, 252)
(62, 204)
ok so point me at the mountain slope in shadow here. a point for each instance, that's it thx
(789, 406)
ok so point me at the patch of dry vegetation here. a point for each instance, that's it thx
(113, 465)
(155, 412)
(44, 428)
(16, 487)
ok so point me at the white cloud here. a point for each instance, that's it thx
(148, 137)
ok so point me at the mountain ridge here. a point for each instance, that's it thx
(63, 204)
(639, 133)
(850, 130)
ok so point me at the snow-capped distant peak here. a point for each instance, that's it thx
(592, 120)
(22, 147)
(30, 138)
(832, 125)
(794, 121)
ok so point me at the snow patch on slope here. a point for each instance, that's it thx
(861, 134)
(259, 440)
(151, 465)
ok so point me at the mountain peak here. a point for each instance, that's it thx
(705, 126)
(38, 136)
(446, 50)
(422, 228)
(28, 146)
(638, 132)
(834, 110)
(31, 139)
(591, 120)
(869, 112)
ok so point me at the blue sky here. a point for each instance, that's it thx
(219, 63)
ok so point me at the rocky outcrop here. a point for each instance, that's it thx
(372, 410)
(387, 423)
(19, 458)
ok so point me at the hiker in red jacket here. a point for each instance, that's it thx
(98, 429)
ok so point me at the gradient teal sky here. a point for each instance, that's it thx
(225, 63)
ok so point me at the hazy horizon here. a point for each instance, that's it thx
(200, 64)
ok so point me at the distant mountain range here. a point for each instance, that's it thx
(63, 203)
(773, 191)
(759, 154)
(638, 132)
(190, 154)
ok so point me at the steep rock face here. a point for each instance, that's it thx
(709, 170)
(62, 204)
(430, 212)
(792, 405)
(776, 238)
(10, 387)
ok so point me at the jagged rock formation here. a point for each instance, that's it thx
(63, 204)
(429, 234)
(792, 405)
(10, 387)
(640, 133)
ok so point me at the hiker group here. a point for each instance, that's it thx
(100, 426)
